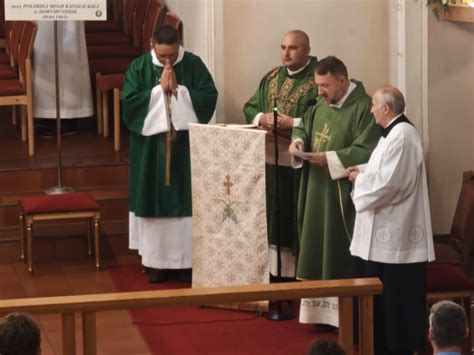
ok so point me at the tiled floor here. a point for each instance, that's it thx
(115, 332)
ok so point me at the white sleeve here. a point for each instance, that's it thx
(336, 169)
(256, 119)
(393, 180)
(296, 121)
(156, 120)
(182, 111)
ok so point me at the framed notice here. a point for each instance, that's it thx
(55, 10)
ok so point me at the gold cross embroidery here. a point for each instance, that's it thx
(322, 137)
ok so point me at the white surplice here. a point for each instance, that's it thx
(393, 223)
(74, 80)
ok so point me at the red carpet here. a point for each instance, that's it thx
(191, 330)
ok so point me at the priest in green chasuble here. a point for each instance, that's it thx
(339, 131)
(291, 87)
(164, 90)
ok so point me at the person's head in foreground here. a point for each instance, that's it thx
(19, 335)
(325, 347)
(448, 326)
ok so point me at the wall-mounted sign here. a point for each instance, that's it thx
(55, 10)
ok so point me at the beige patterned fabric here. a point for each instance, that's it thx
(230, 245)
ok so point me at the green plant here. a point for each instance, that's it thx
(440, 7)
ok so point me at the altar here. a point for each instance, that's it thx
(230, 245)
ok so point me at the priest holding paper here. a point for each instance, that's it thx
(164, 90)
(340, 132)
(392, 232)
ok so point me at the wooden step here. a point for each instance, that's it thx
(28, 180)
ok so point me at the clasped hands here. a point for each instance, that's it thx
(283, 121)
(168, 80)
(318, 159)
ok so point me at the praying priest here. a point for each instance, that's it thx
(292, 88)
(164, 90)
(338, 132)
(392, 231)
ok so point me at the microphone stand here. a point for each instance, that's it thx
(279, 313)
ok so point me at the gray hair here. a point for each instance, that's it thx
(393, 98)
(448, 323)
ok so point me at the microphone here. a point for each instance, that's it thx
(309, 103)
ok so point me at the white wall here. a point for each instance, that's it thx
(198, 27)
(450, 114)
(355, 31)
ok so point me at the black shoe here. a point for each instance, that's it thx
(185, 275)
(48, 129)
(157, 276)
(45, 123)
(47, 132)
(69, 127)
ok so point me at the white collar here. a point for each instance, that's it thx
(158, 63)
(393, 119)
(339, 104)
(293, 72)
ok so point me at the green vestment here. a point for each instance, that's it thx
(325, 210)
(292, 94)
(148, 195)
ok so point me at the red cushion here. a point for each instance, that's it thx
(7, 72)
(103, 38)
(109, 66)
(4, 58)
(109, 82)
(69, 202)
(447, 277)
(102, 26)
(113, 51)
(10, 87)
(446, 254)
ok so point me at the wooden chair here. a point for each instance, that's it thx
(114, 82)
(19, 91)
(173, 20)
(74, 205)
(10, 70)
(5, 44)
(448, 278)
(457, 249)
(110, 25)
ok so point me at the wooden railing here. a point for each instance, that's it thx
(88, 305)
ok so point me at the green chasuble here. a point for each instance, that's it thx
(148, 195)
(292, 93)
(326, 213)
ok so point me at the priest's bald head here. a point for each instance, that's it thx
(165, 43)
(294, 49)
(387, 103)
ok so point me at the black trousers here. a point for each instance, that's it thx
(400, 312)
